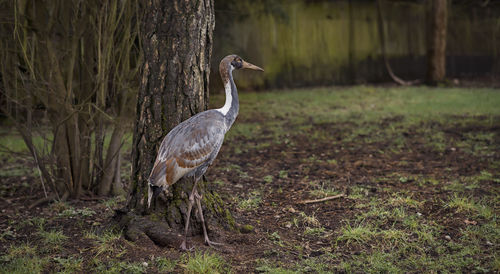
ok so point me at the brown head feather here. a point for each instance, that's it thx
(224, 67)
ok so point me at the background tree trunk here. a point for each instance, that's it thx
(381, 32)
(177, 44)
(436, 40)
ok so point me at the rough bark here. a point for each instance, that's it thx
(436, 40)
(177, 44)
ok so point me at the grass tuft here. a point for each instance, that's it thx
(164, 265)
(461, 204)
(359, 234)
(106, 242)
(309, 220)
(205, 262)
(52, 238)
(252, 202)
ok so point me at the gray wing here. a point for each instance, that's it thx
(189, 148)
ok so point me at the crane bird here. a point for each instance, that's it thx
(191, 147)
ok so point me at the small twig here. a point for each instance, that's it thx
(42, 201)
(322, 199)
(50, 198)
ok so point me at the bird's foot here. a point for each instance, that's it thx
(183, 247)
(212, 244)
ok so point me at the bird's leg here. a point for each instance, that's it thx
(188, 215)
(205, 234)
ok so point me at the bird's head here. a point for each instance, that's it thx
(233, 61)
(154, 191)
(239, 63)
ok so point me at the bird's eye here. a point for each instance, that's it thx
(237, 62)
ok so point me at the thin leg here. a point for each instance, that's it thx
(188, 215)
(205, 234)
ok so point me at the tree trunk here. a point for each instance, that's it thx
(436, 40)
(177, 43)
(110, 166)
(118, 189)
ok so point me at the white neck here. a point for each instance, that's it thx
(229, 97)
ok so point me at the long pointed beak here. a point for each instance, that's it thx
(251, 66)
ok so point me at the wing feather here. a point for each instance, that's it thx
(191, 144)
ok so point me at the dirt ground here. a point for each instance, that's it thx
(264, 182)
(357, 166)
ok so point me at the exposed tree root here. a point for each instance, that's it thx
(163, 223)
(138, 228)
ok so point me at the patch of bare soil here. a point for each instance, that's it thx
(369, 165)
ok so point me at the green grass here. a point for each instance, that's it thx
(114, 202)
(406, 201)
(107, 242)
(52, 239)
(360, 233)
(13, 142)
(17, 172)
(22, 259)
(268, 179)
(394, 219)
(164, 265)
(397, 228)
(283, 174)
(322, 190)
(341, 104)
(252, 202)
(315, 231)
(461, 204)
(205, 262)
(70, 264)
(401, 233)
(289, 111)
(119, 266)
